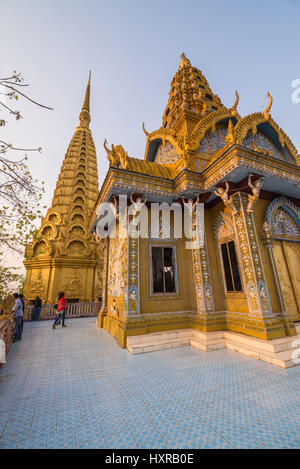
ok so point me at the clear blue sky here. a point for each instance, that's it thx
(133, 49)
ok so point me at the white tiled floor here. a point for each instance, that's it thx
(75, 388)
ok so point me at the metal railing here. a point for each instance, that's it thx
(75, 310)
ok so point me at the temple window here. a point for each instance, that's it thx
(163, 270)
(231, 268)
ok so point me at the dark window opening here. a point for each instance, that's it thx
(231, 268)
(163, 271)
(73, 300)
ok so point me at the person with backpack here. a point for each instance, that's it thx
(37, 306)
(61, 310)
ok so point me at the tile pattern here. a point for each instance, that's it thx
(75, 388)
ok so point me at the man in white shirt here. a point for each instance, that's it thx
(18, 316)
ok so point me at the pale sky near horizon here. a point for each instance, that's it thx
(133, 49)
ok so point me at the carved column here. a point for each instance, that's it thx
(103, 310)
(202, 277)
(261, 321)
(133, 298)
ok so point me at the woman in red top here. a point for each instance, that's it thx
(61, 309)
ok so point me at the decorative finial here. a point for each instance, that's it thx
(106, 147)
(84, 116)
(266, 112)
(230, 135)
(234, 107)
(145, 131)
(184, 61)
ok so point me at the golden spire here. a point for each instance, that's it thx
(84, 116)
(189, 92)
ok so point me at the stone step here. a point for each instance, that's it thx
(206, 345)
(280, 352)
(272, 346)
(284, 359)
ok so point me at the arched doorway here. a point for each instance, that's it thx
(283, 221)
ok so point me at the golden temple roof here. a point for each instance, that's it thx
(191, 92)
(149, 168)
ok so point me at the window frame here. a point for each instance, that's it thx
(174, 256)
(230, 292)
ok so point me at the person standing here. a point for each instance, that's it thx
(18, 316)
(21, 296)
(61, 310)
(37, 306)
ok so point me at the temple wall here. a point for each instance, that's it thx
(77, 278)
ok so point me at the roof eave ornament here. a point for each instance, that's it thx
(234, 107)
(108, 151)
(145, 131)
(266, 113)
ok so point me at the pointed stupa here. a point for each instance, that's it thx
(64, 255)
(190, 92)
(79, 171)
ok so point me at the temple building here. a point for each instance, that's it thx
(244, 281)
(64, 255)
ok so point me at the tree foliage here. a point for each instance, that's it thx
(10, 280)
(20, 193)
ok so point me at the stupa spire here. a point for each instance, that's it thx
(190, 92)
(84, 116)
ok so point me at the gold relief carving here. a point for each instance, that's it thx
(252, 297)
(166, 154)
(250, 123)
(54, 217)
(209, 122)
(118, 266)
(116, 155)
(41, 247)
(224, 227)
(263, 297)
(73, 286)
(228, 201)
(230, 138)
(76, 230)
(48, 232)
(253, 198)
(37, 285)
(76, 248)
